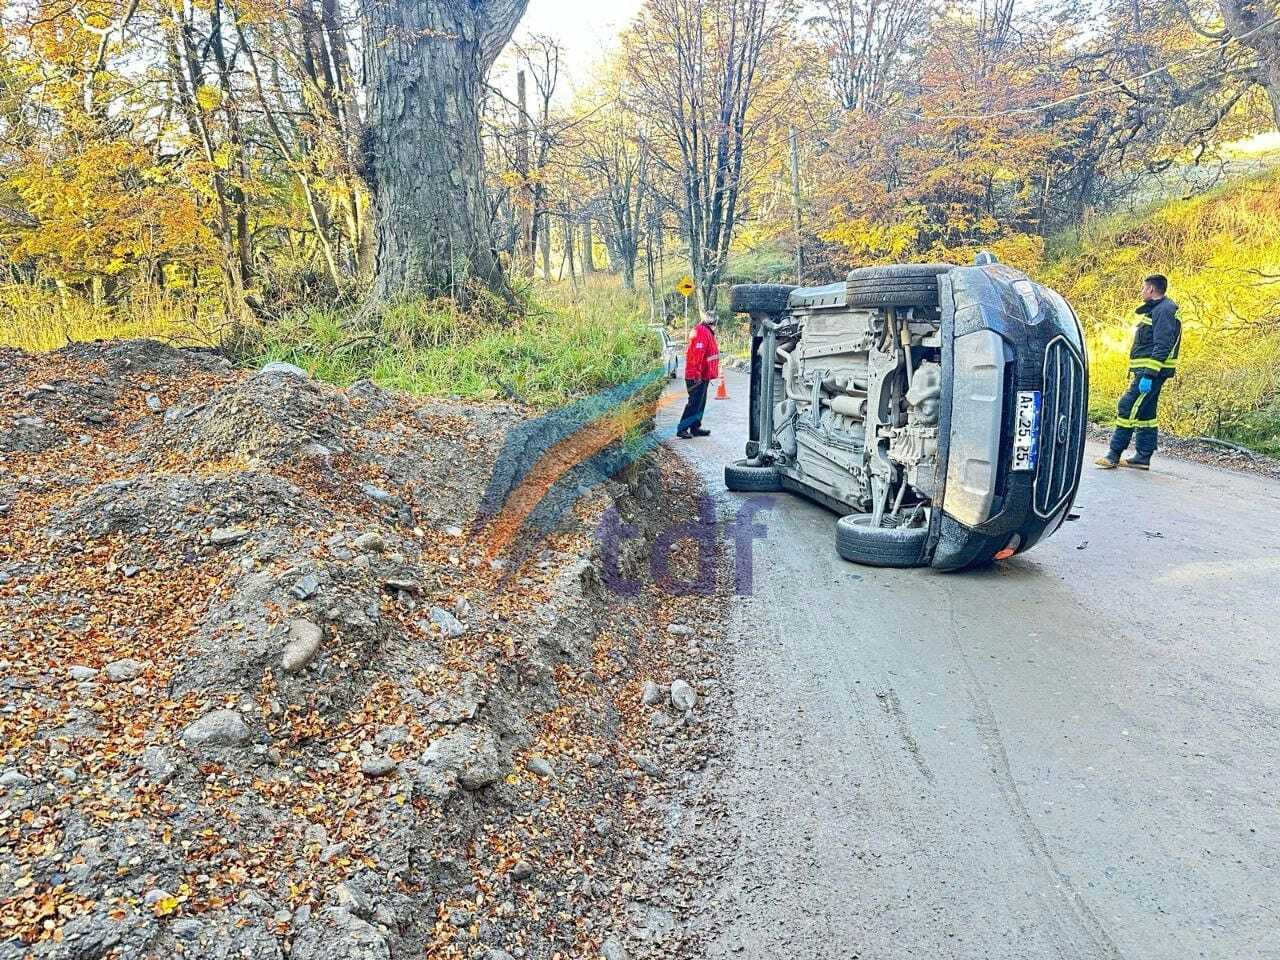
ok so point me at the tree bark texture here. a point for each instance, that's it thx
(426, 62)
(588, 248)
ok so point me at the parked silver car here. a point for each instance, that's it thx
(670, 349)
(940, 409)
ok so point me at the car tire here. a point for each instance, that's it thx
(770, 298)
(859, 542)
(909, 285)
(743, 477)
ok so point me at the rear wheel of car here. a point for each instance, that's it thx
(743, 477)
(908, 285)
(771, 298)
(859, 542)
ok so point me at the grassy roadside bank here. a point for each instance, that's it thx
(572, 341)
(1221, 252)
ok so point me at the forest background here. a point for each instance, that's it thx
(217, 172)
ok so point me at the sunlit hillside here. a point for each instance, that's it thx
(1221, 252)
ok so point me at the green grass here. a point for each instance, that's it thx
(1221, 252)
(37, 318)
(571, 342)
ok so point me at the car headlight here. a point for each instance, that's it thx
(1030, 300)
(1066, 319)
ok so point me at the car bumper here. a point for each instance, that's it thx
(993, 350)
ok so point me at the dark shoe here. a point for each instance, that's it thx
(1108, 462)
(1137, 462)
(684, 434)
(699, 432)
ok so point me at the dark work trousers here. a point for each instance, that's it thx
(1136, 413)
(693, 410)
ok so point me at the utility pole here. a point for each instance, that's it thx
(795, 202)
(524, 199)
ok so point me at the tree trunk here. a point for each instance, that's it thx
(588, 251)
(524, 197)
(544, 241)
(570, 242)
(426, 71)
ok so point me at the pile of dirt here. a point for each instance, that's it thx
(266, 691)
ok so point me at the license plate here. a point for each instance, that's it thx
(1026, 435)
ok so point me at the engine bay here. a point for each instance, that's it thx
(856, 397)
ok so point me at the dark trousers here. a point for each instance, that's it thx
(1136, 414)
(693, 410)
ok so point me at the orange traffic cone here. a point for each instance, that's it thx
(721, 392)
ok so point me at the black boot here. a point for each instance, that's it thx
(1139, 461)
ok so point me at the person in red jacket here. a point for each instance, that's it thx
(701, 366)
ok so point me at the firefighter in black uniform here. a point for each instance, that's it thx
(1153, 358)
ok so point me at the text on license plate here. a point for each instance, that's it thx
(1026, 434)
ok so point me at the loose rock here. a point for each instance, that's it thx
(220, 728)
(187, 928)
(449, 625)
(539, 767)
(652, 694)
(226, 536)
(377, 765)
(371, 542)
(679, 630)
(468, 752)
(122, 671)
(306, 587)
(611, 949)
(14, 779)
(305, 638)
(288, 369)
(81, 673)
(522, 871)
(158, 764)
(683, 696)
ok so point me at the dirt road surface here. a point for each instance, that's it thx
(1072, 755)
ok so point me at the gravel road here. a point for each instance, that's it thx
(1072, 755)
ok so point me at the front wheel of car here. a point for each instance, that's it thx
(858, 541)
(743, 477)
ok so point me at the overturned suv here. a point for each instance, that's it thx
(939, 409)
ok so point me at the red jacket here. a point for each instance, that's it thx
(702, 361)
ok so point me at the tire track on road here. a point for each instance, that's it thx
(1085, 920)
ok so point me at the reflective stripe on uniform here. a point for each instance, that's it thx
(1131, 424)
(1145, 363)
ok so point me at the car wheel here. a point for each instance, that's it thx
(859, 542)
(908, 285)
(771, 298)
(743, 477)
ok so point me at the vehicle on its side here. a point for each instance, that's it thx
(939, 409)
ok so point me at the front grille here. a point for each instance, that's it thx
(1062, 430)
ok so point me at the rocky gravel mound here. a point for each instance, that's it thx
(266, 691)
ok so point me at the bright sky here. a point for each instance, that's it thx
(586, 28)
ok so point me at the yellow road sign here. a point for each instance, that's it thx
(685, 286)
